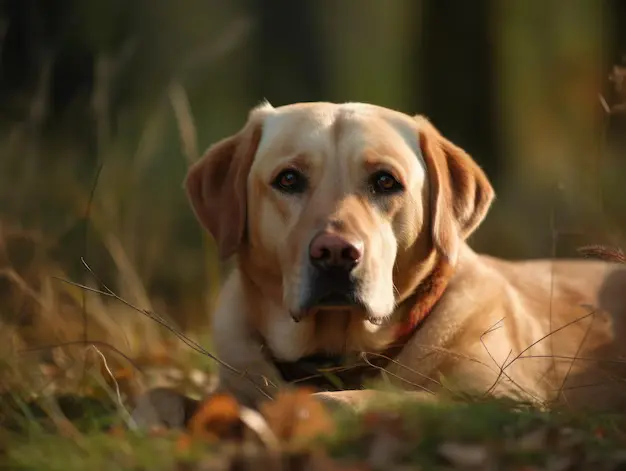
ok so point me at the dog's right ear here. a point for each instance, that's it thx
(216, 185)
(460, 191)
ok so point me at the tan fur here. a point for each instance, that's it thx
(490, 313)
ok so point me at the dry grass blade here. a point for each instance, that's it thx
(184, 118)
(609, 254)
(86, 343)
(118, 395)
(536, 342)
(106, 291)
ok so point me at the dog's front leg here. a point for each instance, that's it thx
(251, 381)
(358, 399)
(245, 371)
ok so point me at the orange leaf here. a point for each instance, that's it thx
(124, 373)
(183, 443)
(296, 415)
(217, 418)
(117, 431)
(599, 432)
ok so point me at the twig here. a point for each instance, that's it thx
(391, 360)
(127, 417)
(571, 365)
(542, 338)
(603, 253)
(83, 342)
(184, 119)
(186, 340)
(501, 367)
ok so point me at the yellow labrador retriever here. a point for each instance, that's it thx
(349, 223)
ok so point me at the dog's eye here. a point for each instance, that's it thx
(384, 182)
(290, 181)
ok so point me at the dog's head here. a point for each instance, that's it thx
(340, 202)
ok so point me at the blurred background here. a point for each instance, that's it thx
(105, 103)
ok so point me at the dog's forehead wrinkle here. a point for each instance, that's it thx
(411, 136)
(334, 131)
(302, 133)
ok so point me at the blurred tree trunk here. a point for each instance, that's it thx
(456, 65)
(288, 63)
(618, 29)
(615, 94)
(369, 48)
(550, 61)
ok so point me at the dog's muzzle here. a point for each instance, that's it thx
(332, 283)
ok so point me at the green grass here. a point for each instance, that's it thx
(478, 435)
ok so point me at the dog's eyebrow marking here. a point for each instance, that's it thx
(379, 158)
(300, 161)
(412, 136)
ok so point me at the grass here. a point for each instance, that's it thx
(493, 434)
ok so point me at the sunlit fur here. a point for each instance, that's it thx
(337, 148)
(490, 311)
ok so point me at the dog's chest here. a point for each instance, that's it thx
(333, 351)
(329, 333)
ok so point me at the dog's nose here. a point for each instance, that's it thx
(333, 251)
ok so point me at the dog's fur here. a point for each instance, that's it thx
(545, 330)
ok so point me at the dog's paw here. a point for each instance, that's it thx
(352, 401)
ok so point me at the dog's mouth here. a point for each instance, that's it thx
(339, 302)
(335, 292)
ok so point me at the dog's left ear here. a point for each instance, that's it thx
(460, 191)
(217, 185)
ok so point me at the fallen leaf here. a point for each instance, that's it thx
(609, 254)
(183, 442)
(217, 418)
(296, 415)
(117, 431)
(599, 432)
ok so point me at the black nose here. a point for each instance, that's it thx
(331, 251)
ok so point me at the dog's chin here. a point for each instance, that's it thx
(326, 309)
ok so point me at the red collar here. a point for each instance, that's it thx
(424, 300)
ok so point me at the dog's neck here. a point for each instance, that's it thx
(416, 307)
(422, 301)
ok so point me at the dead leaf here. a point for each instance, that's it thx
(183, 442)
(117, 431)
(609, 254)
(375, 419)
(296, 415)
(217, 418)
(599, 432)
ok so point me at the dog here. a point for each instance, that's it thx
(349, 223)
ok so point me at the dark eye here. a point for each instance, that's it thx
(290, 181)
(385, 183)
